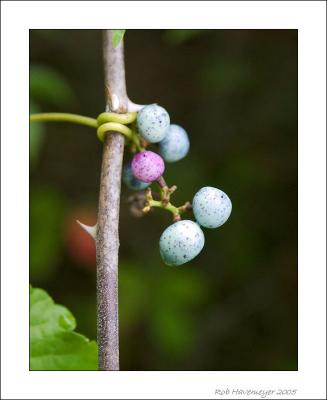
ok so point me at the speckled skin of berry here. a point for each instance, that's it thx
(147, 166)
(175, 145)
(130, 181)
(181, 242)
(211, 207)
(153, 123)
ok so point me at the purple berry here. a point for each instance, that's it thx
(147, 166)
(130, 181)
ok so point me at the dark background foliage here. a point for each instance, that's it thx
(235, 91)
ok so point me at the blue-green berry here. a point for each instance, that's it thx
(175, 145)
(130, 180)
(153, 123)
(181, 242)
(211, 207)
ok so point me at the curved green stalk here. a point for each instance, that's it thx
(124, 119)
(115, 122)
(104, 123)
(114, 127)
(65, 117)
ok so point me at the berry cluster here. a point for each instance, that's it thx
(184, 239)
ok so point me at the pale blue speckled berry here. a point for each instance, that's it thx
(153, 123)
(130, 180)
(181, 242)
(175, 145)
(211, 207)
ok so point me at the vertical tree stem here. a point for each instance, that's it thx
(107, 239)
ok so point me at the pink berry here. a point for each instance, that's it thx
(147, 166)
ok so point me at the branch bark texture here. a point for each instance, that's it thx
(107, 238)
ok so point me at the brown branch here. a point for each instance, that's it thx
(107, 239)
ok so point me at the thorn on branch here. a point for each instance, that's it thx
(91, 230)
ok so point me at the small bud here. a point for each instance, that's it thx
(114, 102)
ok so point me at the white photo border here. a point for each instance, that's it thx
(309, 17)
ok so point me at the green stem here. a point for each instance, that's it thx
(165, 203)
(65, 117)
(135, 138)
(169, 207)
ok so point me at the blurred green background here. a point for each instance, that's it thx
(235, 91)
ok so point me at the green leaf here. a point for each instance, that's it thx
(46, 84)
(117, 36)
(54, 345)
